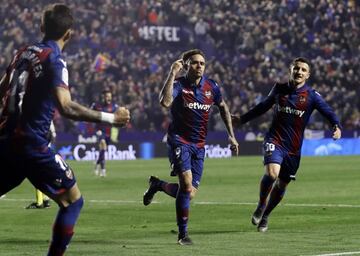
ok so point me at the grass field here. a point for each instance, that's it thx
(320, 213)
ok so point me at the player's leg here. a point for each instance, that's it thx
(102, 166)
(97, 168)
(54, 177)
(70, 203)
(189, 182)
(103, 146)
(273, 157)
(46, 201)
(287, 173)
(155, 184)
(39, 201)
(266, 184)
(276, 195)
(182, 203)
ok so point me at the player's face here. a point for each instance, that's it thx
(107, 97)
(299, 73)
(196, 66)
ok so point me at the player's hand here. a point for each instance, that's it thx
(336, 133)
(236, 121)
(122, 116)
(234, 145)
(177, 66)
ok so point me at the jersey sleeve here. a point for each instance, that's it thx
(60, 75)
(325, 109)
(217, 94)
(176, 89)
(262, 107)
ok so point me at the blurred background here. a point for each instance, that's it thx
(128, 46)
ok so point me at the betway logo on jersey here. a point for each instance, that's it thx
(197, 105)
(290, 110)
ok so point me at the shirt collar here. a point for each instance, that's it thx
(53, 45)
(201, 83)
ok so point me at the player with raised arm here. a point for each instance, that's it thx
(294, 103)
(103, 131)
(35, 82)
(189, 98)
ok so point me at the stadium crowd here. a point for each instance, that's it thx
(248, 44)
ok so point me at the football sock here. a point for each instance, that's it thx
(182, 211)
(169, 188)
(97, 169)
(39, 197)
(103, 172)
(276, 196)
(265, 187)
(63, 228)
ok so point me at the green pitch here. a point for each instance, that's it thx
(320, 213)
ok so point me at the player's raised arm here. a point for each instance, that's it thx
(75, 111)
(226, 117)
(166, 92)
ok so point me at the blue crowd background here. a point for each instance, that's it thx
(249, 45)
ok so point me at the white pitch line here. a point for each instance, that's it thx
(201, 203)
(337, 254)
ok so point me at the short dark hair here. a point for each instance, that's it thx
(106, 90)
(186, 55)
(56, 20)
(303, 60)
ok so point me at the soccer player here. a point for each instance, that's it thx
(34, 83)
(294, 102)
(103, 130)
(189, 98)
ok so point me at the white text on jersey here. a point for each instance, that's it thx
(290, 110)
(197, 105)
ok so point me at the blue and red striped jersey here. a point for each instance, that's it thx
(292, 110)
(190, 110)
(29, 103)
(104, 107)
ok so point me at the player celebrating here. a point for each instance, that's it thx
(190, 98)
(35, 82)
(103, 130)
(294, 102)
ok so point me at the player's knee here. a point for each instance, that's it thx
(272, 173)
(186, 188)
(77, 205)
(192, 194)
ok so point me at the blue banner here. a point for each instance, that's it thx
(327, 147)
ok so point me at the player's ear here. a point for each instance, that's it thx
(67, 35)
(187, 64)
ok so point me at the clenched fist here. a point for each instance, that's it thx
(122, 116)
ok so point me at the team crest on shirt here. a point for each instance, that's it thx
(302, 99)
(208, 94)
(177, 152)
(69, 174)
